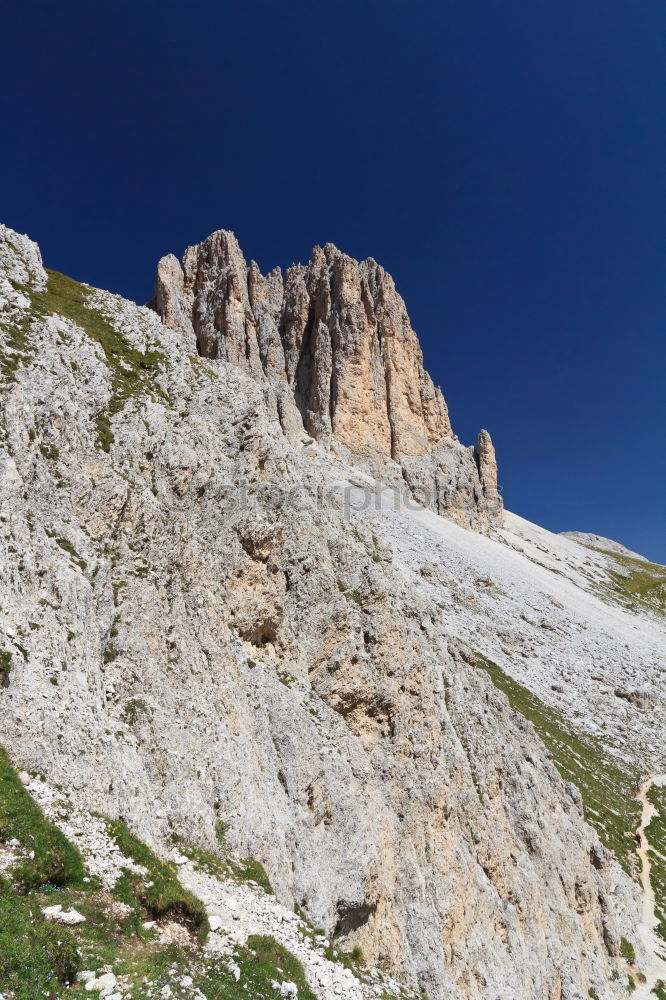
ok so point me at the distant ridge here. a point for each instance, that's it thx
(599, 542)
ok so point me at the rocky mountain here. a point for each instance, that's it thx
(233, 619)
(335, 353)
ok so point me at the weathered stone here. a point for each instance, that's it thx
(268, 664)
(334, 349)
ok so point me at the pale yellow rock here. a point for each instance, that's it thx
(337, 357)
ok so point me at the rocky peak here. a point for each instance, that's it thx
(334, 347)
(196, 636)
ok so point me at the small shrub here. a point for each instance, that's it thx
(67, 547)
(5, 667)
(221, 832)
(105, 436)
(627, 951)
(133, 710)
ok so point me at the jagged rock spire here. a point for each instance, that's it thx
(334, 344)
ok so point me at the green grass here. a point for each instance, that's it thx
(271, 961)
(262, 962)
(656, 835)
(166, 898)
(643, 583)
(55, 861)
(132, 371)
(67, 547)
(635, 584)
(608, 790)
(39, 958)
(223, 866)
(5, 667)
(18, 345)
(627, 951)
(36, 957)
(251, 870)
(245, 870)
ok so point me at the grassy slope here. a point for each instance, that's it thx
(39, 958)
(55, 860)
(261, 963)
(608, 790)
(643, 584)
(35, 957)
(656, 835)
(636, 585)
(224, 867)
(132, 371)
(165, 898)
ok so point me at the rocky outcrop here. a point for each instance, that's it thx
(333, 346)
(198, 636)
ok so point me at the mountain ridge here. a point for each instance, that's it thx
(206, 619)
(334, 348)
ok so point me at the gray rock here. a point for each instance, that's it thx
(334, 351)
(270, 668)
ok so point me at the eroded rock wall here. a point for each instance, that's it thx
(196, 633)
(333, 346)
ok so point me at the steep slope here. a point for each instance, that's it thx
(198, 628)
(91, 904)
(598, 542)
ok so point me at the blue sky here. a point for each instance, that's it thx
(506, 162)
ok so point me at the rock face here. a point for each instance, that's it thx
(333, 347)
(197, 633)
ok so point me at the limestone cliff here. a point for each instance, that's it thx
(194, 632)
(334, 348)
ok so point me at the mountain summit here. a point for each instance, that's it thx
(333, 346)
(270, 731)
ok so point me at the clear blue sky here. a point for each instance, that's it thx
(505, 161)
